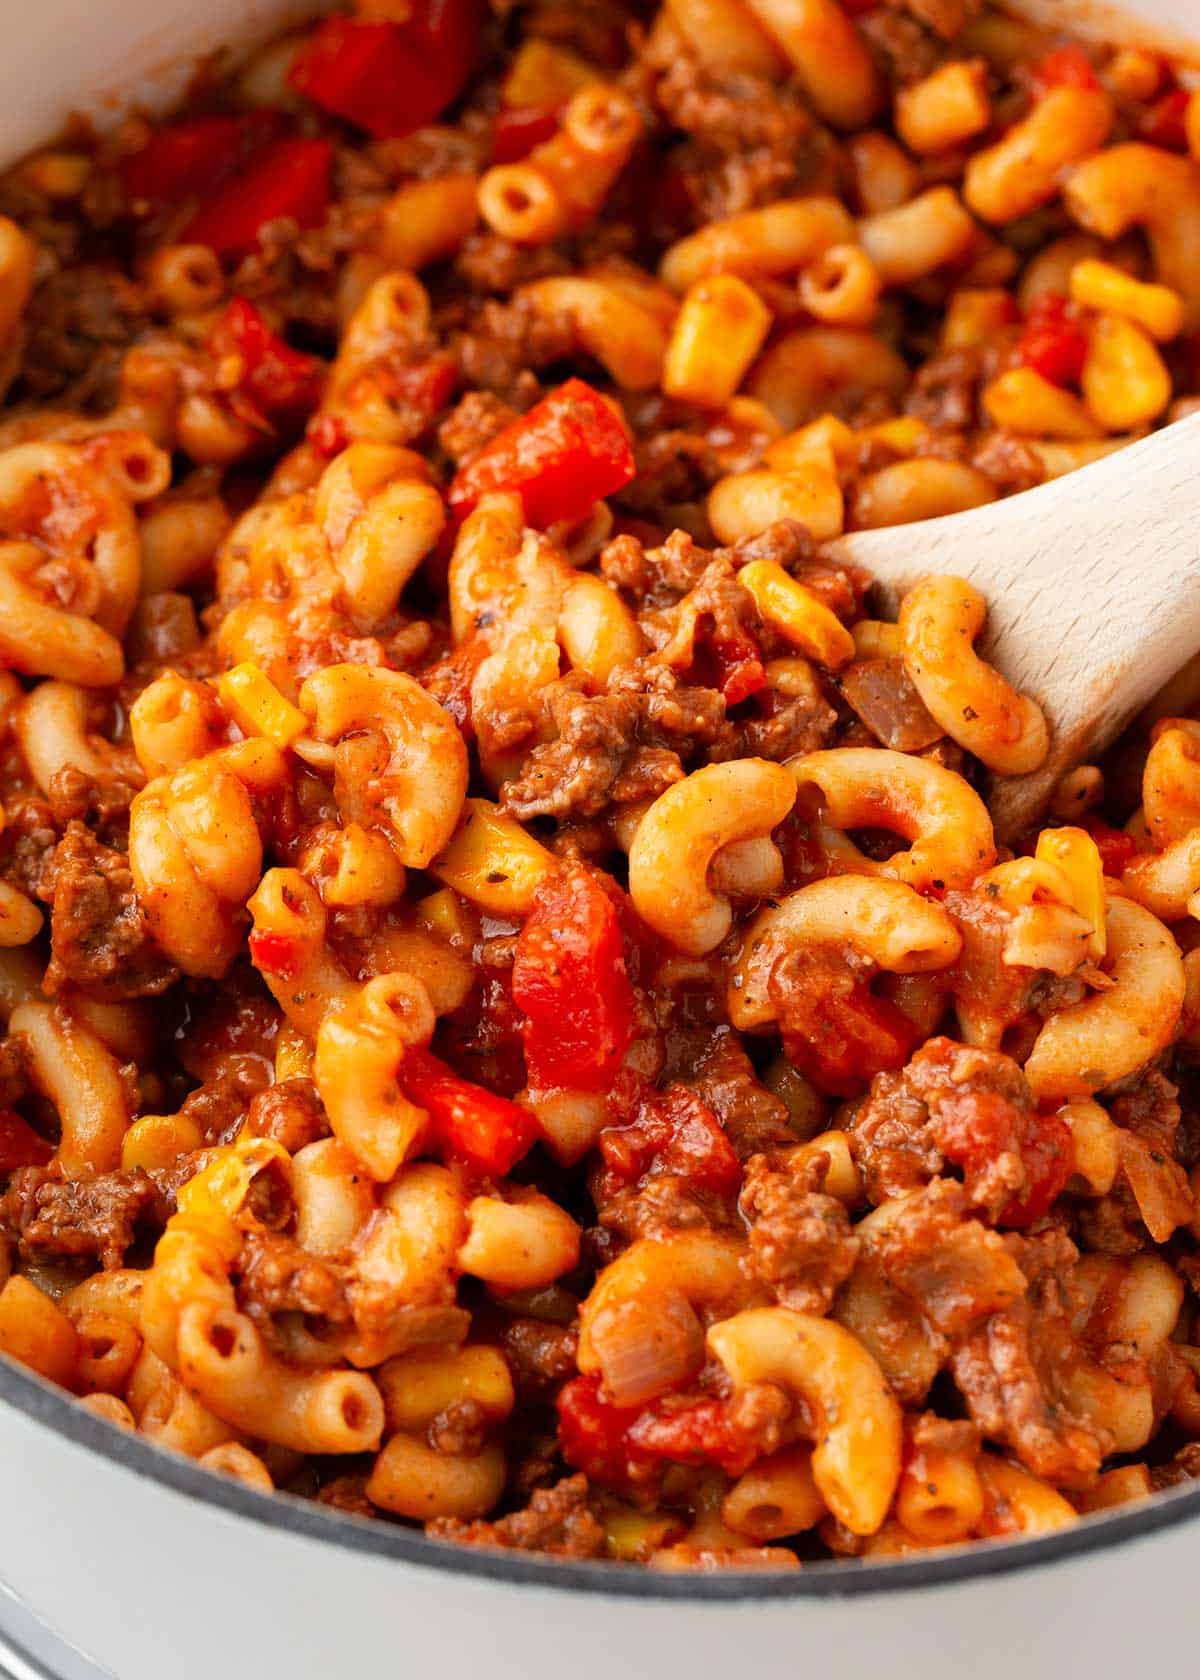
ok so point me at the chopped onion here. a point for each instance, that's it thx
(647, 1348)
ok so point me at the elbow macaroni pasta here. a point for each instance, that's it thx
(855, 1418)
(681, 833)
(939, 620)
(946, 823)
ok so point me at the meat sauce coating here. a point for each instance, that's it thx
(516, 1012)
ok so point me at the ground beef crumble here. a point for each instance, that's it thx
(946, 18)
(910, 1120)
(472, 425)
(945, 390)
(556, 1521)
(906, 49)
(91, 1218)
(952, 1267)
(626, 744)
(289, 1112)
(461, 1429)
(99, 937)
(801, 1243)
(503, 342)
(594, 760)
(752, 1118)
(540, 1355)
(1012, 1373)
(278, 1276)
(219, 1106)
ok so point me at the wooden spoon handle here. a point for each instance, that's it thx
(1093, 588)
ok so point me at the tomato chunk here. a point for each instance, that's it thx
(328, 434)
(425, 386)
(861, 1036)
(389, 77)
(1048, 1151)
(1065, 67)
(594, 1434)
(289, 178)
(835, 1031)
(698, 1433)
(747, 677)
(1053, 343)
(273, 381)
(1116, 848)
(1164, 123)
(487, 1133)
(570, 450)
(190, 159)
(982, 1125)
(20, 1145)
(571, 980)
(672, 1131)
(732, 663)
(273, 953)
(517, 130)
(619, 1445)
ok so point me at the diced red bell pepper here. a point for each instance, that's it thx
(275, 380)
(480, 1130)
(1164, 124)
(390, 77)
(568, 452)
(190, 159)
(273, 953)
(1066, 66)
(570, 979)
(288, 178)
(519, 128)
(20, 1145)
(981, 1124)
(674, 1132)
(1053, 342)
(1116, 848)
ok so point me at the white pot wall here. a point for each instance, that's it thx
(101, 57)
(156, 1585)
(63, 56)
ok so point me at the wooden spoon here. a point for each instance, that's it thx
(1093, 589)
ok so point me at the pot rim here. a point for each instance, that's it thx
(54, 1410)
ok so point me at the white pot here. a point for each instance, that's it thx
(126, 1561)
(159, 1571)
